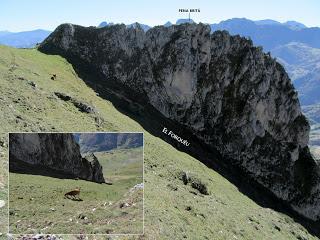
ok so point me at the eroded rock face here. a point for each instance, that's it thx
(232, 96)
(58, 152)
(96, 167)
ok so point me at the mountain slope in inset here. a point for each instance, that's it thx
(100, 142)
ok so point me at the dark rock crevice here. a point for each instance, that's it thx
(83, 107)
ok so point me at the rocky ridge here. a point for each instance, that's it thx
(231, 96)
(55, 154)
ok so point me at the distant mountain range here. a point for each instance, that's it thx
(271, 34)
(99, 142)
(296, 46)
(3, 33)
(291, 24)
(302, 62)
(26, 39)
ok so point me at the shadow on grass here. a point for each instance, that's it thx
(21, 167)
(74, 199)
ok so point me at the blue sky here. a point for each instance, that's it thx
(20, 15)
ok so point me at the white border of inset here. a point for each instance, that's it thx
(78, 234)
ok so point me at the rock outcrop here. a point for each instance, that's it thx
(233, 97)
(96, 167)
(53, 154)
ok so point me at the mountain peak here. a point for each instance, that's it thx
(184, 20)
(295, 25)
(103, 24)
(267, 22)
(167, 24)
(137, 25)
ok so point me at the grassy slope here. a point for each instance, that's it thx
(172, 210)
(37, 202)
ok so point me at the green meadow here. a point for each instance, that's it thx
(37, 203)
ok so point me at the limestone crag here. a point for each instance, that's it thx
(95, 166)
(235, 98)
(58, 152)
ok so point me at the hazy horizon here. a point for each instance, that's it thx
(17, 16)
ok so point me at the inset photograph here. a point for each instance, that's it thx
(76, 183)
